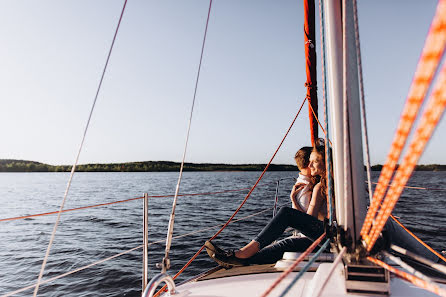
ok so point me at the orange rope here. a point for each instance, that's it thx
(426, 127)
(109, 203)
(419, 188)
(291, 268)
(241, 205)
(315, 116)
(411, 278)
(419, 240)
(427, 65)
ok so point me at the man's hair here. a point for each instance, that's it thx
(302, 157)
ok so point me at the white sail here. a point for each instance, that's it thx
(345, 118)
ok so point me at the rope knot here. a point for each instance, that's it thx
(311, 86)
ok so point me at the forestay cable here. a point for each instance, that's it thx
(165, 264)
(73, 169)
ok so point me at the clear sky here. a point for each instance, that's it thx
(252, 82)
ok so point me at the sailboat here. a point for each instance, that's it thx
(346, 271)
(355, 268)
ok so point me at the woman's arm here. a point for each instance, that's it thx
(317, 199)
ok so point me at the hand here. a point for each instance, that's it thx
(298, 187)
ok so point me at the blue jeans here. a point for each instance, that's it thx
(286, 217)
(313, 229)
(274, 252)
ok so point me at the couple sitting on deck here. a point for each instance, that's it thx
(309, 201)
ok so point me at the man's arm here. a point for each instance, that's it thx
(293, 196)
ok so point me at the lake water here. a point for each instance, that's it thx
(89, 235)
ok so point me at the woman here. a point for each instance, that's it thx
(258, 251)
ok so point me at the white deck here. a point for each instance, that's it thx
(308, 286)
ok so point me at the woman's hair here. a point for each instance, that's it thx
(320, 150)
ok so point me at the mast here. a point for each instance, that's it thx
(345, 117)
(310, 59)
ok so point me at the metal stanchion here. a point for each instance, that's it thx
(145, 241)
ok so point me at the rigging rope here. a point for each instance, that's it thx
(294, 265)
(362, 97)
(320, 125)
(330, 273)
(243, 202)
(427, 66)
(165, 264)
(305, 268)
(419, 240)
(73, 169)
(406, 266)
(420, 188)
(115, 202)
(411, 278)
(324, 94)
(428, 122)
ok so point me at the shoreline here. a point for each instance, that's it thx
(10, 165)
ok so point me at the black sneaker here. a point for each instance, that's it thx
(229, 260)
(212, 249)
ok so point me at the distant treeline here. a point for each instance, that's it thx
(148, 166)
(161, 166)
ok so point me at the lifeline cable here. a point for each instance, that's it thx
(427, 65)
(115, 202)
(420, 188)
(123, 253)
(73, 169)
(165, 264)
